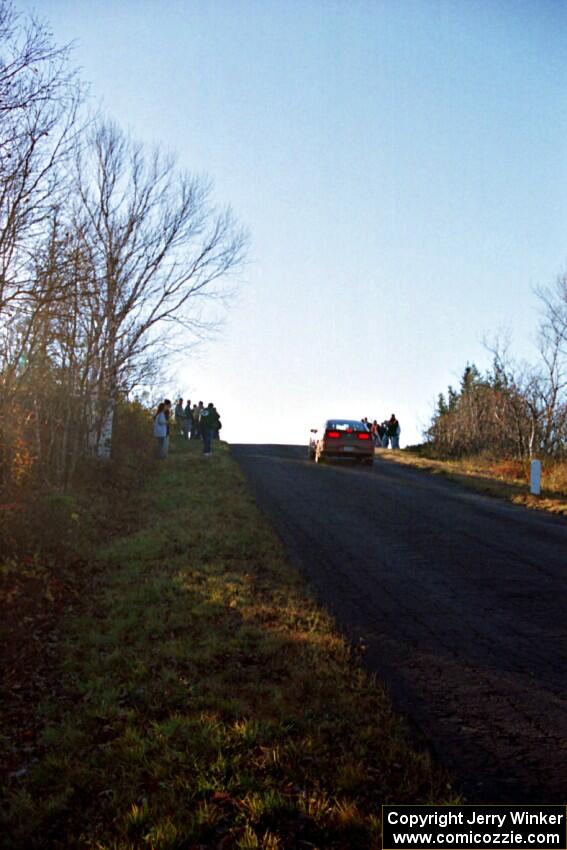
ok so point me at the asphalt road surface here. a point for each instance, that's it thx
(461, 600)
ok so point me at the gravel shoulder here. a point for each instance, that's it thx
(459, 599)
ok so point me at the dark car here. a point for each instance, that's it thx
(340, 439)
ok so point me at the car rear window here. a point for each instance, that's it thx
(346, 425)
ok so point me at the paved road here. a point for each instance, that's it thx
(460, 598)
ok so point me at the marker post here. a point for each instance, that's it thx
(535, 478)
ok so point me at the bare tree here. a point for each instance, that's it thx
(39, 99)
(554, 300)
(159, 249)
(548, 394)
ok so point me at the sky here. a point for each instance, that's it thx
(401, 168)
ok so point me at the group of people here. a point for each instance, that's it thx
(195, 422)
(386, 433)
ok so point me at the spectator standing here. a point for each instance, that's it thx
(382, 435)
(167, 414)
(187, 419)
(201, 408)
(209, 423)
(179, 415)
(160, 431)
(394, 431)
(218, 424)
(195, 422)
(374, 432)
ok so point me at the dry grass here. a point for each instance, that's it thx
(504, 479)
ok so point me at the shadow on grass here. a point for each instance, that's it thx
(207, 700)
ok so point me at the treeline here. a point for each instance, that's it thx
(106, 248)
(513, 410)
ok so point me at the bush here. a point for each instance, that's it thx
(49, 524)
(132, 441)
(37, 517)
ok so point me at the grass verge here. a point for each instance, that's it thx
(504, 479)
(205, 700)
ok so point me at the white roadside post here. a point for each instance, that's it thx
(535, 477)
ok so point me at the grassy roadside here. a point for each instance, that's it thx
(507, 480)
(205, 701)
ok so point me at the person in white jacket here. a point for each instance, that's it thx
(160, 431)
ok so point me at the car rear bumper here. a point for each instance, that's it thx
(345, 452)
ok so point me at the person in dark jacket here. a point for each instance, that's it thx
(209, 424)
(187, 419)
(218, 424)
(394, 431)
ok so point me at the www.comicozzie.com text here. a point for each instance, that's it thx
(444, 819)
(487, 827)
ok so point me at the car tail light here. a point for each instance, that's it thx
(333, 435)
(363, 436)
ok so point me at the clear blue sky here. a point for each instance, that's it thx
(401, 166)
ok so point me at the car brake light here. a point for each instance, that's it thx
(333, 435)
(363, 436)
